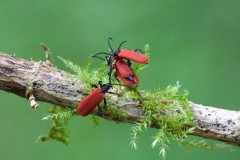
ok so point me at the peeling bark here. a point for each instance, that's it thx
(52, 85)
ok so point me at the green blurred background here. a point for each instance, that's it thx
(196, 42)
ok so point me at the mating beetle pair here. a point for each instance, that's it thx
(120, 61)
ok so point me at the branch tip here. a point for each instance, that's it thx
(47, 54)
(31, 98)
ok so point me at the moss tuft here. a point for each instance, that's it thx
(59, 117)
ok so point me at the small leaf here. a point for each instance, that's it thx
(163, 153)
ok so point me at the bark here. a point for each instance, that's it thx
(40, 81)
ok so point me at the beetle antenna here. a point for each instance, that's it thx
(98, 57)
(121, 45)
(110, 38)
(101, 53)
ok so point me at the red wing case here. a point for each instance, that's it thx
(86, 106)
(133, 56)
(123, 68)
(129, 81)
(135, 79)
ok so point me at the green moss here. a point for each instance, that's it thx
(86, 75)
(164, 108)
(168, 109)
(59, 117)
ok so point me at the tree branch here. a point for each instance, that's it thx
(41, 82)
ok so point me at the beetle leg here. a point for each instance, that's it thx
(111, 67)
(100, 83)
(113, 93)
(105, 104)
(93, 85)
(116, 78)
(83, 92)
(107, 58)
(138, 50)
(129, 63)
(110, 75)
(99, 109)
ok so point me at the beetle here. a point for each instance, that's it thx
(125, 73)
(115, 60)
(91, 101)
(123, 70)
(124, 54)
